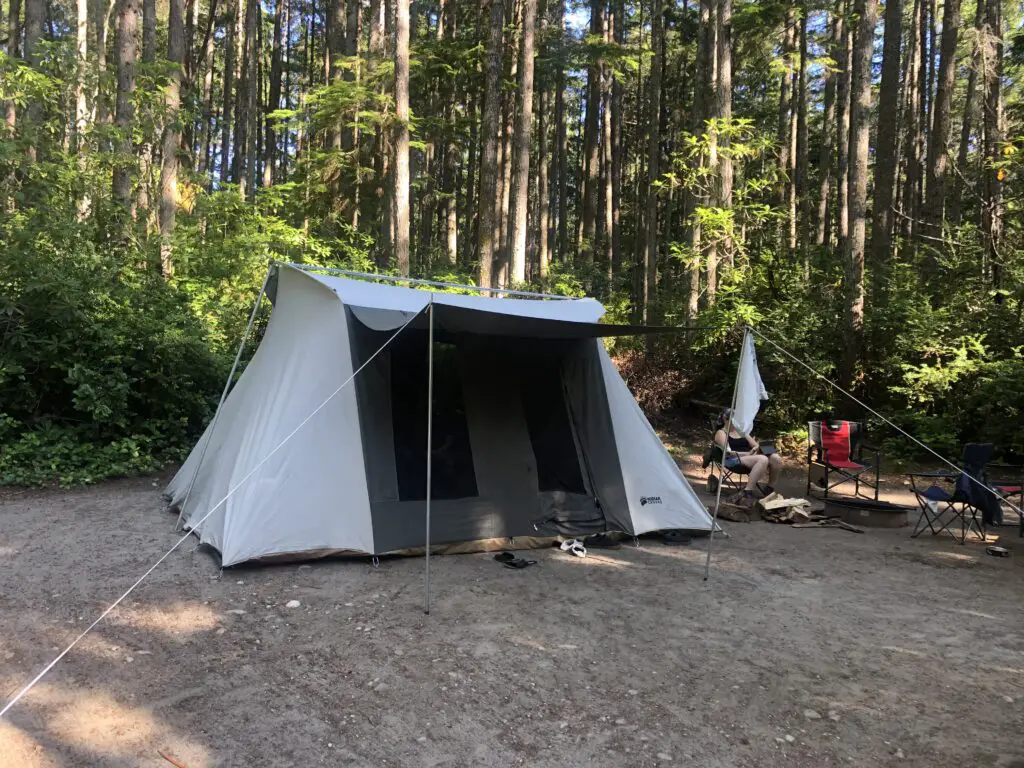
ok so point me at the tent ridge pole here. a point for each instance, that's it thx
(421, 281)
(728, 429)
(224, 393)
(430, 453)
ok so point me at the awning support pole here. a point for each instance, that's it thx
(725, 451)
(430, 437)
(224, 394)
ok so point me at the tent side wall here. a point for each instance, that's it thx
(311, 495)
(657, 494)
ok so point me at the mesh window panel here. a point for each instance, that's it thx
(547, 420)
(453, 475)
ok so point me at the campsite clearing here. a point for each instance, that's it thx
(809, 648)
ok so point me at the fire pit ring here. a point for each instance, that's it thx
(871, 514)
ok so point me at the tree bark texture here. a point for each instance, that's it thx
(860, 129)
(523, 132)
(490, 127)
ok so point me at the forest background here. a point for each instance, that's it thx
(845, 175)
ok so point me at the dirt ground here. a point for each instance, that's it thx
(806, 648)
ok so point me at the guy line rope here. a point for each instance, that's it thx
(35, 680)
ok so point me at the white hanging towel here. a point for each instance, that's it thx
(750, 389)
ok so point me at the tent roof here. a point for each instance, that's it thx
(383, 307)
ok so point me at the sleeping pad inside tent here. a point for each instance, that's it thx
(534, 432)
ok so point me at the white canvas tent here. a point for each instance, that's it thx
(534, 433)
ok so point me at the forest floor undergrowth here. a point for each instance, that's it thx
(806, 648)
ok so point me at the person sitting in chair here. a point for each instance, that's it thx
(744, 451)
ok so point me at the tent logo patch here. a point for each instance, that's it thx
(645, 500)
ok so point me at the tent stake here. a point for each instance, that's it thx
(224, 394)
(728, 430)
(430, 436)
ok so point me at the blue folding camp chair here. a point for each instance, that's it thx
(957, 497)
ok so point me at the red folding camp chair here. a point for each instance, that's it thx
(835, 449)
(1009, 482)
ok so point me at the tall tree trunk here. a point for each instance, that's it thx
(605, 200)
(561, 147)
(13, 52)
(172, 134)
(866, 12)
(938, 161)
(82, 60)
(127, 52)
(703, 67)
(274, 102)
(350, 134)
(524, 124)
(402, 136)
(245, 123)
(230, 45)
(649, 292)
(336, 17)
(35, 15)
(887, 147)
(605, 185)
(618, 34)
(451, 150)
(591, 128)
(543, 189)
(825, 159)
(966, 130)
(723, 111)
(710, 100)
(102, 14)
(992, 123)
(148, 31)
(206, 135)
(924, 119)
(146, 150)
(81, 103)
(843, 93)
(802, 150)
(470, 220)
(913, 118)
(505, 183)
(490, 128)
(382, 191)
(787, 130)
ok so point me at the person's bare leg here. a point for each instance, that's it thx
(757, 465)
(774, 469)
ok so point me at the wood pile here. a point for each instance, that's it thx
(797, 512)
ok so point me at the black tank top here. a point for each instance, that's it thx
(738, 444)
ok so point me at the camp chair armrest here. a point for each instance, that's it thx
(947, 475)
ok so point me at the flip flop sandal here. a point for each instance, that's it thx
(676, 537)
(518, 565)
(504, 557)
(575, 546)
